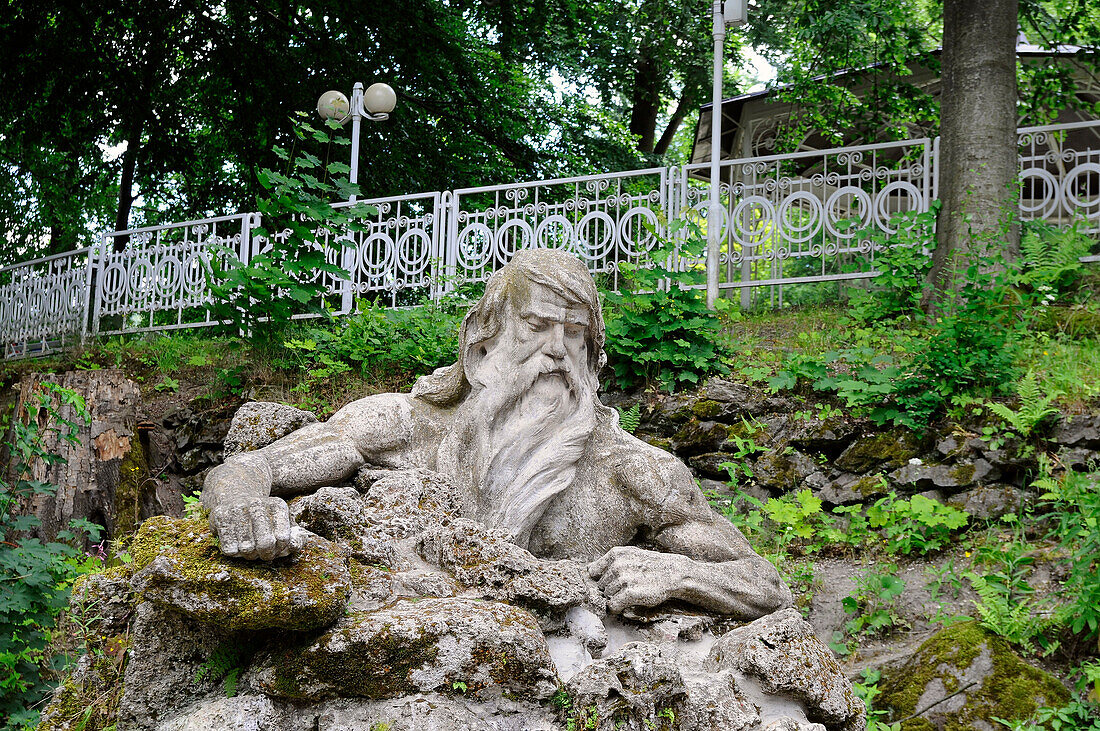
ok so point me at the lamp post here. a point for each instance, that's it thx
(732, 12)
(373, 104)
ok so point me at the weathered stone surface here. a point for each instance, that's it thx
(339, 514)
(741, 398)
(177, 565)
(1078, 431)
(484, 560)
(259, 423)
(405, 503)
(950, 477)
(630, 687)
(990, 501)
(890, 449)
(415, 646)
(421, 712)
(784, 472)
(994, 682)
(846, 489)
(104, 602)
(715, 701)
(710, 464)
(828, 436)
(696, 437)
(781, 651)
(166, 655)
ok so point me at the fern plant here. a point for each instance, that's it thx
(630, 418)
(1051, 257)
(1019, 619)
(1035, 405)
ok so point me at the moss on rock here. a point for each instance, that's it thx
(889, 449)
(178, 565)
(1004, 686)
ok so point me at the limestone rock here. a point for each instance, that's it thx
(845, 489)
(890, 449)
(784, 472)
(1078, 431)
(994, 682)
(990, 501)
(415, 646)
(828, 436)
(697, 437)
(710, 464)
(630, 687)
(715, 701)
(782, 652)
(259, 423)
(952, 477)
(339, 514)
(106, 600)
(404, 503)
(164, 661)
(177, 565)
(484, 560)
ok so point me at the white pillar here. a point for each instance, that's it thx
(714, 210)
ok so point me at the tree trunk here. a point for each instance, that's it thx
(978, 158)
(105, 474)
(646, 101)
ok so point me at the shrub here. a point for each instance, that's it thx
(658, 327)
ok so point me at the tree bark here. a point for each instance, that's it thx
(978, 157)
(105, 476)
(646, 101)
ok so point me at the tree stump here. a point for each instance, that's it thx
(105, 473)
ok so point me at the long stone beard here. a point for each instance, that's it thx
(515, 445)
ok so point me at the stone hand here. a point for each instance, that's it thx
(634, 577)
(256, 529)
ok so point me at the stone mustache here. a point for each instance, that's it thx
(516, 425)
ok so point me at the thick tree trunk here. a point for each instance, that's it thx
(105, 475)
(978, 158)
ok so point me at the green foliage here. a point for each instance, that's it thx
(377, 339)
(868, 690)
(1020, 620)
(903, 260)
(798, 522)
(1050, 258)
(1035, 406)
(302, 232)
(629, 419)
(34, 576)
(873, 606)
(1081, 713)
(224, 664)
(658, 325)
(1074, 502)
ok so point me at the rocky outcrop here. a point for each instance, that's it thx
(964, 677)
(259, 423)
(460, 629)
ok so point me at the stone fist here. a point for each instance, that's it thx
(635, 577)
(256, 529)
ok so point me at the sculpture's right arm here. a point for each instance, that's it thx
(246, 515)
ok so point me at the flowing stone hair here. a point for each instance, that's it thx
(561, 272)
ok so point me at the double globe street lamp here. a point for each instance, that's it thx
(373, 104)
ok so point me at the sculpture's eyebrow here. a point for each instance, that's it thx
(571, 316)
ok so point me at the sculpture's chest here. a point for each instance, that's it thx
(585, 521)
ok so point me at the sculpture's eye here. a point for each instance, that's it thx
(537, 324)
(573, 332)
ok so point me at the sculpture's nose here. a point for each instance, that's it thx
(555, 341)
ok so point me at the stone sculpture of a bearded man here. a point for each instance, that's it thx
(516, 424)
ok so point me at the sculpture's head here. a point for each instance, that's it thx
(542, 303)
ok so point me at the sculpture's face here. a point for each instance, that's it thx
(548, 328)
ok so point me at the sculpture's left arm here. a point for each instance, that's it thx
(708, 562)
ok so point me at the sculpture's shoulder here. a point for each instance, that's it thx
(656, 479)
(389, 421)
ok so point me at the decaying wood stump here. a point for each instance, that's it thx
(105, 474)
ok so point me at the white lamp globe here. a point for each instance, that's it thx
(379, 99)
(333, 105)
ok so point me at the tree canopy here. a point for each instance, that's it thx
(125, 112)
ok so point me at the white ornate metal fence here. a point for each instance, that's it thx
(817, 216)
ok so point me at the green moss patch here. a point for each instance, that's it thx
(178, 565)
(1005, 686)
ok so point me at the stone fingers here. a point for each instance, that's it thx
(280, 519)
(226, 530)
(263, 531)
(247, 548)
